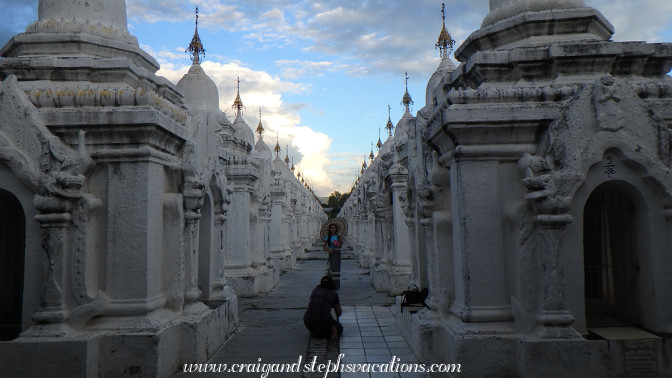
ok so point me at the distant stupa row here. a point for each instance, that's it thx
(135, 212)
(531, 196)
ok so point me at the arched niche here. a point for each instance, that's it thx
(621, 206)
(12, 250)
(612, 253)
(22, 254)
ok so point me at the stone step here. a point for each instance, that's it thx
(323, 351)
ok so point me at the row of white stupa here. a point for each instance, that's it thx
(142, 211)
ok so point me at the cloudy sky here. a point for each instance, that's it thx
(323, 72)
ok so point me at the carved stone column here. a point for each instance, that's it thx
(400, 273)
(55, 218)
(554, 317)
(193, 201)
(432, 300)
(479, 276)
(279, 228)
(238, 230)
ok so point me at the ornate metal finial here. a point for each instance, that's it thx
(364, 163)
(292, 164)
(379, 145)
(238, 103)
(287, 155)
(277, 148)
(195, 48)
(260, 127)
(389, 126)
(407, 101)
(445, 43)
(371, 155)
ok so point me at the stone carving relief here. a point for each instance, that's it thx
(99, 96)
(72, 25)
(576, 141)
(436, 195)
(56, 173)
(607, 105)
(40, 159)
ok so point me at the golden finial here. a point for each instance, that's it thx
(287, 155)
(292, 164)
(379, 145)
(260, 127)
(238, 103)
(364, 163)
(371, 155)
(445, 43)
(195, 48)
(277, 148)
(407, 101)
(389, 126)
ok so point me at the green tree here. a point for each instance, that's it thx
(335, 203)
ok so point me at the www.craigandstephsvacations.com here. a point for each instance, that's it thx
(394, 366)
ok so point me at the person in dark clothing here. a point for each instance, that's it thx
(317, 317)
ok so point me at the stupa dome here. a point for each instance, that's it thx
(199, 91)
(242, 131)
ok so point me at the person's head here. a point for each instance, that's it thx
(333, 229)
(327, 283)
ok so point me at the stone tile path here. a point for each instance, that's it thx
(374, 338)
(272, 329)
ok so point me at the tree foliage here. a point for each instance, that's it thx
(335, 203)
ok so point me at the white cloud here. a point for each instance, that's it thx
(258, 89)
(344, 168)
(369, 38)
(213, 13)
(296, 69)
(156, 11)
(642, 20)
(314, 166)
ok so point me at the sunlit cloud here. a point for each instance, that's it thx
(262, 91)
(345, 167)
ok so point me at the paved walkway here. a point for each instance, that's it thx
(272, 329)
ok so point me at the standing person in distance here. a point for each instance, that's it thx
(332, 245)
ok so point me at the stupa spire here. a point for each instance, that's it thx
(277, 148)
(371, 155)
(260, 128)
(379, 145)
(238, 103)
(195, 48)
(445, 43)
(287, 155)
(407, 101)
(292, 168)
(389, 126)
